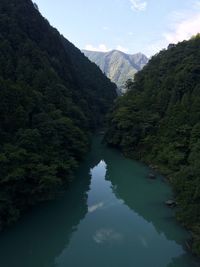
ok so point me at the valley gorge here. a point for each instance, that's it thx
(85, 173)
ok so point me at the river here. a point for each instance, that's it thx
(112, 216)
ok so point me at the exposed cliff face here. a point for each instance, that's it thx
(118, 66)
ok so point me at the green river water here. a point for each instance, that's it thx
(112, 216)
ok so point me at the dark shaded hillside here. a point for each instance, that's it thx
(51, 99)
(158, 121)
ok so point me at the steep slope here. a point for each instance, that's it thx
(118, 66)
(158, 121)
(51, 99)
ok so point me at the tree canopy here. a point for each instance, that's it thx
(158, 121)
(51, 99)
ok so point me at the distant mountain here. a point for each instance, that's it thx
(118, 66)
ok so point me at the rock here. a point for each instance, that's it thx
(171, 203)
(154, 167)
(188, 245)
(152, 176)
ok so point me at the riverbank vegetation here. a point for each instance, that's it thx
(51, 99)
(158, 121)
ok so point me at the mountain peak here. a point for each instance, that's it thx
(116, 51)
(117, 65)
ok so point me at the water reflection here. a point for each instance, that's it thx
(142, 195)
(112, 216)
(107, 235)
(95, 207)
(40, 236)
(146, 198)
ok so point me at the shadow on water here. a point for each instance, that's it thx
(144, 196)
(43, 232)
(147, 198)
(77, 228)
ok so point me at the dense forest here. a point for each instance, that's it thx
(51, 99)
(158, 122)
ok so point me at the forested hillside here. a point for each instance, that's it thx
(158, 121)
(51, 99)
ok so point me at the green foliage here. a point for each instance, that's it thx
(157, 121)
(51, 99)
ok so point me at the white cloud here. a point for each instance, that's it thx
(106, 235)
(106, 28)
(138, 5)
(95, 207)
(100, 48)
(121, 48)
(130, 33)
(143, 241)
(184, 29)
(196, 4)
(104, 48)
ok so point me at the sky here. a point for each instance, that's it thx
(131, 26)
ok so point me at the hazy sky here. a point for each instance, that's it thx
(128, 25)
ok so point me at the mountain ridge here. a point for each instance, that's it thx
(117, 65)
